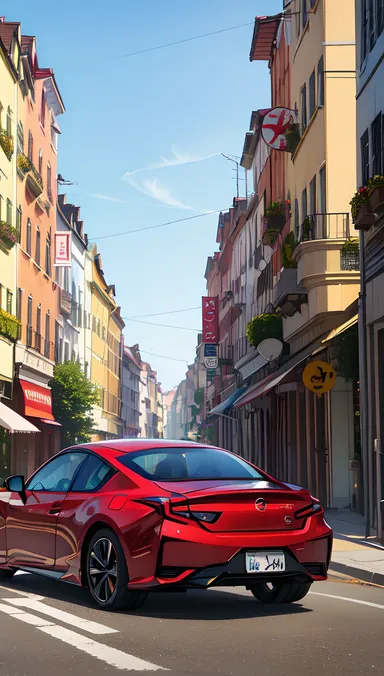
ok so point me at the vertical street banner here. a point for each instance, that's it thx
(62, 249)
(210, 320)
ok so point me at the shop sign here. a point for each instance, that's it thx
(319, 377)
(210, 320)
(62, 249)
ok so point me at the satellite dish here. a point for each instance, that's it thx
(262, 265)
(270, 349)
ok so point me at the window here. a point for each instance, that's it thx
(303, 106)
(376, 135)
(29, 238)
(37, 248)
(66, 351)
(47, 335)
(9, 212)
(29, 322)
(19, 300)
(9, 301)
(296, 217)
(57, 475)
(40, 162)
(312, 196)
(364, 149)
(30, 146)
(42, 111)
(371, 24)
(93, 474)
(322, 191)
(19, 218)
(320, 82)
(380, 16)
(191, 464)
(9, 121)
(312, 95)
(49, 182)
(38, 328)
(304, 205)
(86, 369)
(304, 14)
(48, 255)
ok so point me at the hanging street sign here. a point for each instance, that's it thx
(319, 377)
(276, 123)
(210, 311)
(210, 350)
(211, 362)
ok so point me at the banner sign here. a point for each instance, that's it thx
(210, 350)
(210, 320)
(62, 249)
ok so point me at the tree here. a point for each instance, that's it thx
(73, 396)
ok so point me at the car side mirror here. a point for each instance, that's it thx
(15, 484)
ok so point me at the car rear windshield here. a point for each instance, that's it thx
(188, 464)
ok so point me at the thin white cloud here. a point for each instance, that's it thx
(163, 195)
(107, 198)
(177, 159)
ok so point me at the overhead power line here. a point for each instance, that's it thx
(180, 42)
(159, 225)
(170, 312)
(162, 356)
(165, 326)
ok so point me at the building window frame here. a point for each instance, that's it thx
(312, 95)
(365, 164)
(377, 145)
(38, 246)
(303, 107)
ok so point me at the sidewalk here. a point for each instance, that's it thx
(352, 554)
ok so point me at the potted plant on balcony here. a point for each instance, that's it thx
(376, 190)
(292, 135)
(23, 163)
(287, 249)
(8, 235)
(275, 214)
(264, 326)
(350, 254)
(6, 142)
(307, 229)
(9, 325)
(270, 236)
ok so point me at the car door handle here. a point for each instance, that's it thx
(55, 508)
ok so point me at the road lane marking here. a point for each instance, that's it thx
(111, 656)
(25, 617)
(62, 616)
(345, 598)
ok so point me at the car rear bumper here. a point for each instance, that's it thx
(194, 558)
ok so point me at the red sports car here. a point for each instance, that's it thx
(131, 516)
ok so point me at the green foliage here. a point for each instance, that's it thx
(199, 396)
(347, 354)
(287, 250)
(9, 325)
(275, 209)
(270, 236)
(351, 246)
(73, 396)
(363, 194)
(292, 136)
(265, 326)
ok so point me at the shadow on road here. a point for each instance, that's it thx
(193, 605)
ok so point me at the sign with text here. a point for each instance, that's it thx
(210, 350)
(210, 320)
(62, 249)
(211, 362)
(319, 377)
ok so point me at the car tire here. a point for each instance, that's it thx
(281, 591)
(107, 573)
(6, 574)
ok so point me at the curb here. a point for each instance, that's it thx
(358, 573)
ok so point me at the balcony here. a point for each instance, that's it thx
(65, 302)
(9, 326)
(288, 295)
(34, 181)
(325, 226)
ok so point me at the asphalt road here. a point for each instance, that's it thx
(51, 629)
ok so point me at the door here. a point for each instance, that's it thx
(92, 476)
(31, 526)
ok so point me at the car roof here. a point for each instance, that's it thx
(119, 446)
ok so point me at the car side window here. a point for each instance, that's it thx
(92, 475)
(57, 475)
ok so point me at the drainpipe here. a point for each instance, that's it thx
(363, 377)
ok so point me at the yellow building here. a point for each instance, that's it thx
(107, 327)
(9, 215)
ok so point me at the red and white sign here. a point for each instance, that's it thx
(274, 126)
(37, 400)
(210, 320)
(62, 249)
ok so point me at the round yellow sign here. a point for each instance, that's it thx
(319, 377)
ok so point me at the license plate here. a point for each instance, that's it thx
(265, 562)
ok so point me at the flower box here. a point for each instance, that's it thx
(365, 217)
(6, 142)
(9, 326)
(376, 200)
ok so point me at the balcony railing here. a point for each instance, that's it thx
(38, 343)
(349, 260)
(34, 181)
(325, 226)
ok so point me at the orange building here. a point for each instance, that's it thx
(39, 103)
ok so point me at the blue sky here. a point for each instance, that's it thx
(123, 114)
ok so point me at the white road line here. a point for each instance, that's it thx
(112, 656)
(62, 616)
(345, 598)
(28, 595)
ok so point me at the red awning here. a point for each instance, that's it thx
(266, 385)
(37, 400)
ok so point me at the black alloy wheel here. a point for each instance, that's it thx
(280, 591)
(107, 573)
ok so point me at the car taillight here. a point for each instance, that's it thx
(309, 510)
(158, 504)
(207, 517)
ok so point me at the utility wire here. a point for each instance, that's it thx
(158, 314)
(159, 225)
(162, 356)
(179, 42)
(166, 326)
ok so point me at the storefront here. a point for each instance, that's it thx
(13, 427)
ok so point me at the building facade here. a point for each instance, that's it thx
(131, 372)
